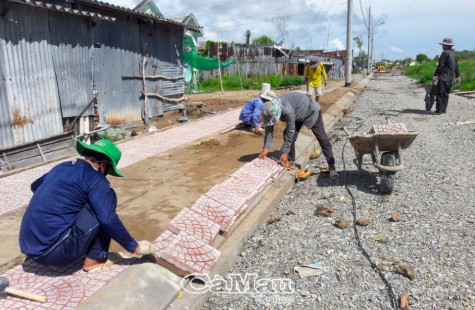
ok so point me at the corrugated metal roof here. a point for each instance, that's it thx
(60, 8)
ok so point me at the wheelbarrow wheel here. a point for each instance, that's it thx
(387, 177)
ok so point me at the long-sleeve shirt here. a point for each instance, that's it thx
(58, 197)
(296, 107)
(315, 75)
(448, 66)
(251, 111)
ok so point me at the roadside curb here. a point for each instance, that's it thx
(151, 286)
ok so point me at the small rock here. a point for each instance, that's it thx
(406, 271)
(331, 210)
(396, 217)
(305, 293)
(362, 221)
(341, 224)
(272, 221)
(290, 212)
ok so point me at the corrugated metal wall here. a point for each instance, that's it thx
(71, 39)
(51, 63)
(28, 77)
(116, 52)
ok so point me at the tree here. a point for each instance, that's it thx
(281, 24)
(262, 40)
(420, 58)
(247, 35)
(359, 43)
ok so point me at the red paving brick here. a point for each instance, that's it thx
(186, 252)
(216, 212)
(195, 224)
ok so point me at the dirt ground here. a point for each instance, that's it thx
(155, 190)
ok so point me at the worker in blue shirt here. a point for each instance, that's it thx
(252, 110)
(72, 213)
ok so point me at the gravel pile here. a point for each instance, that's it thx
(421, 237)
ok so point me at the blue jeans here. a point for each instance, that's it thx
(84, 238)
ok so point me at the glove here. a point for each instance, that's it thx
(263, 153)
(458, 80)
(435, 80)
(145, 247)
(284, 159)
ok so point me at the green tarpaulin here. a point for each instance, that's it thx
(203, 63)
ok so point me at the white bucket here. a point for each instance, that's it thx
(265, 88)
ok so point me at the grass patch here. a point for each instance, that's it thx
(232, 82)
(424, 72)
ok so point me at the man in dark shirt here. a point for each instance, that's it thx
(72, 213)
(444, 74)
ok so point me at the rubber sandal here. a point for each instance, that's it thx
(334, 175)
(315, 154)
(114, 258)
(325, 170)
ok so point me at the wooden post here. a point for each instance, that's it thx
(239, 73)
(144, 91)
(219, 70)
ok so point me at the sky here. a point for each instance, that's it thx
(403, 28)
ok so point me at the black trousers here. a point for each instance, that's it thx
(318, 130)
(442, 100)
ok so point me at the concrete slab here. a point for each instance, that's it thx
(141, 286)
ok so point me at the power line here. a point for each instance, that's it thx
(270, 19)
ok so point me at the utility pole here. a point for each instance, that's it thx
(349, 40)
(369, 39)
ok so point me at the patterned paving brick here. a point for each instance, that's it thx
(389, 128)
(240, 186)
(186, 252)
(234, 201)
(215, 211)
(65, 288)
(268, 164)
(195, 224)
(254, 181)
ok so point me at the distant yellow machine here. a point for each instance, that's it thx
(381, 67)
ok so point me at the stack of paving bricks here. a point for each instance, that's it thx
(186, 247)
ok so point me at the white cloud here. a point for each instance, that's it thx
(396, 49)
(335, 44)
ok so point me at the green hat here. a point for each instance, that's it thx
(104, 147)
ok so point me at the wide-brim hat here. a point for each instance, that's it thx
(271, 112)
(447, 41)
(109, 149)
(314, 62)
(269, 95)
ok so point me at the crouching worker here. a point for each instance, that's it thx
(72, 213)
(252, 110)
(296, 109)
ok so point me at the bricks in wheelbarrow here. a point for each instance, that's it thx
(195, 224)
(216, 212)
(389, 128)
(186, 253)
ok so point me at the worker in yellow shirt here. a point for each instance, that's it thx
(314, 74)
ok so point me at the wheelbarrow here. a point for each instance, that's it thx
(431, 95)
(385, 149)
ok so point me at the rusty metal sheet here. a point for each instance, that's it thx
(29, 78)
